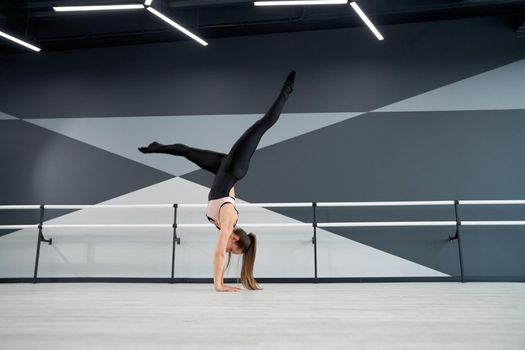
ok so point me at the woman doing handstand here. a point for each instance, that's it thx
(228, 169)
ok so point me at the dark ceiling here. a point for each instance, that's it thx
(36, 22)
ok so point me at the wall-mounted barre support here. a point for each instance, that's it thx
(314, 238)
(41, 239)
(175, 240)
(458, 225)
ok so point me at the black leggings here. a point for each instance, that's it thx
(232, 167)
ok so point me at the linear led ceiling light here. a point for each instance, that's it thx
(20, 42)
(97, 8)
(366, 20)
(177, 26)
(325, 2)
(147, 5)
(298, 3)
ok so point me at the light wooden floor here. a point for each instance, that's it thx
(283, 316)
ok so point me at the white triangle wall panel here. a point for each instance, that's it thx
(138, 252)
(499, 89)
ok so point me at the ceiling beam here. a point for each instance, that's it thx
(378, 7)
(208, 3)
(239, 17)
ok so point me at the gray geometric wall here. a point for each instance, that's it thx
(435, 112)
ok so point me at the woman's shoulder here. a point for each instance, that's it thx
(229, 207)
(228, 214)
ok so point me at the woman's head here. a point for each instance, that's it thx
(246, 244)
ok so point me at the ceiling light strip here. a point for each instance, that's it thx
(177, 26)
(365, 19)
(20, 42)
(97, 8)
(300, 3)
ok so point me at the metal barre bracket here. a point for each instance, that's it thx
(175, 236)
(458, 222)
(314, 222)
(41, 237)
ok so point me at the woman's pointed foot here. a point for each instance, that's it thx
(291, 77)
(289, 83)
(152, 147)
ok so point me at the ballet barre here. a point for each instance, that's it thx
(243, 205)
(283, 225)
(457, 223)
(276, 205)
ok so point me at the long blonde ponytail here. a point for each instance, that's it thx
(248, 244)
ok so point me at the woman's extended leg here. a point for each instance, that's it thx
(238, 159)
(205, 159)
(235, 165)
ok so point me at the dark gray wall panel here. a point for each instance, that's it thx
(338, 71)
(42, 167)
(493, 251)
(396, 156)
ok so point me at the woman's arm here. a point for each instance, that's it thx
(218, 259)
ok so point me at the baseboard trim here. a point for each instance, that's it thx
(263, 279)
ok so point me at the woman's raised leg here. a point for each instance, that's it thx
(238, 159)
(235, 165)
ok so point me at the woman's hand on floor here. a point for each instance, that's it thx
(225, 288)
